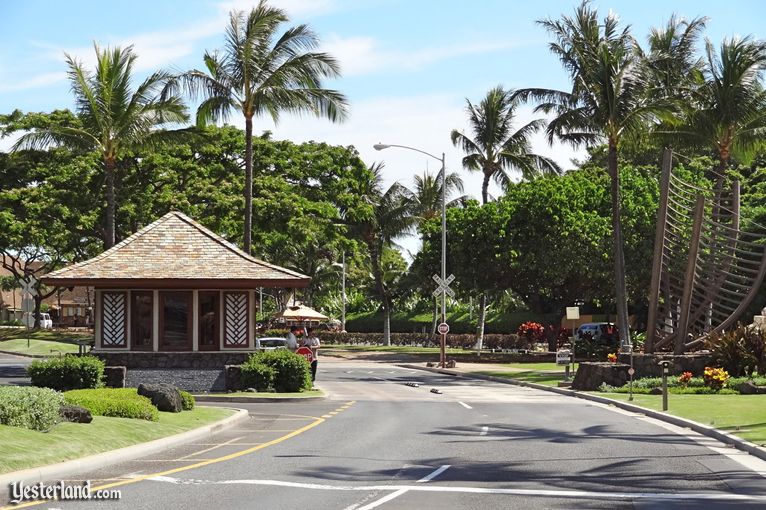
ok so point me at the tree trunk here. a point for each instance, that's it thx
(482, 316)
(109, 238)
(485, 188)
(386, 324)
(620, 293)
(38, 301)
(248, 184)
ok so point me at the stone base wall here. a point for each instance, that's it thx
(647, 365)
(590, 375)
(186, 360)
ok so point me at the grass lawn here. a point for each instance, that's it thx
(533, 376)
(38, 347)
(24, 448)
(44, 334)
(266, 394)
(741, 415)
(389, 348)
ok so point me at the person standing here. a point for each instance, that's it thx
(292, 340)
(312, 342)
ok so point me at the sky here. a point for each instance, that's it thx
(408, 65)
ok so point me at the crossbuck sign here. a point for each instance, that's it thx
(443, 285)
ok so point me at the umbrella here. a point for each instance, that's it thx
(301, 313)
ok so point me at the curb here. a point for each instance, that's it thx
(724, 437)
(21, 355)
(254, 400)
(108, 458)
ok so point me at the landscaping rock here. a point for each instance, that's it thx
(232, 377)
(114, 377)
(750, 388)
(251, 390)
(164, 396)
(75, 414)
(655, 391)
(591, 375)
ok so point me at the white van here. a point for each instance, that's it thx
(45, 320)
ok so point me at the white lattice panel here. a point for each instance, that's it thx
(235, 320)
(114, 317)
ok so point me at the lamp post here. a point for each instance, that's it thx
(343, 292)
(442, 283)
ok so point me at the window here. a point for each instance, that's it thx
(175, 321)
(208, 320)
(142, 320)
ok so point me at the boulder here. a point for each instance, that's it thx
(75, 414)
(750, 388)
(165, 397)
(590, 375)
(232, 377)
(655, 391)
(114, 377)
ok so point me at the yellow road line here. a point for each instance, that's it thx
(209, 449)
(317, 421)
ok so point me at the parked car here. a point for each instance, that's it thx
(602, 332)
(45, 320)
(270, 343)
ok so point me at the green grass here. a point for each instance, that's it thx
(741, 415)
(38, 347)
(265, 394)
(406, 349)
(533, 376)
(24, 448)
(541, 367)
(44, 334)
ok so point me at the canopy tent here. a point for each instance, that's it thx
(301, 313)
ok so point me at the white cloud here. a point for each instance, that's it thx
(363, 55)
(41, 80)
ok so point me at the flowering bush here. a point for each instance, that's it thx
(684, 379)
(715, 378)
(612, 356)
(532, 331)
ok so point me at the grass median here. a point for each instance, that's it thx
(265, 394)
(24, 448)
(548, 374)
(40, 342)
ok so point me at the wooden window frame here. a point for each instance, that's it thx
(226, 344)
(125, 331)
(217, 328)
(134, 322)
(189, 321)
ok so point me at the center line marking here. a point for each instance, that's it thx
(465, 405)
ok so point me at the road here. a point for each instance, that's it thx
(379, 443)
(13, 369)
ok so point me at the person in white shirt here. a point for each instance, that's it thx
(312, 342)
(292, 340)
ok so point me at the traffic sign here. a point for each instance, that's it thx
(29, 285)
(631, 371)
(563, 356)
(443, 328)
(27, 305)
(443, 285)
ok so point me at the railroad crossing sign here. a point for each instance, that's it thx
(443, 285)
(443, 328)
(29, 285)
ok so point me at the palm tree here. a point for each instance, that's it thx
(263, 72)
(114, 118)
(728, 111)
(387, 214)
(496, 149)
(607, 102)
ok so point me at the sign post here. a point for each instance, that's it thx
(573, 314)
(28, 293)
(442, 287)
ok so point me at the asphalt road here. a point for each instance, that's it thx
(379, 443)
(13, 369)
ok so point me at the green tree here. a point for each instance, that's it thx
(112, 118)
(263, 72)
(607, 102)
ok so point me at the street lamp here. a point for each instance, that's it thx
(442, 283)
(343, 293)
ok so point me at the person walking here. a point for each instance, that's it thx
(312, 342)
(292, 339)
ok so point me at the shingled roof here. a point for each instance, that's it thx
(175, 252)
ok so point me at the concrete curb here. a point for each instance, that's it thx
(21, 355)
(724, 437)
(254, 400)
(108, 458)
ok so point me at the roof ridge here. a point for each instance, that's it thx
(124, 242)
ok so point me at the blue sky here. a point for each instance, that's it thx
(408, 65)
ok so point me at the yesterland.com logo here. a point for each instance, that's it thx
(20, 492)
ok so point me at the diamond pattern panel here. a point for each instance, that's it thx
(114, 320)
(235, 316)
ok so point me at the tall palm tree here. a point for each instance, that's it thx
(387, 215)
(607, 102)
(496, 149)
(261, 71)
(728, 112)
(114, 118)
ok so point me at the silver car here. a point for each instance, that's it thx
(270, 343)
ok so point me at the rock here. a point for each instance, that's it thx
(590, 375)
(750, 388)
(232, 377)
(75, 414)
(451, 363)
(251, 390)
(165, 397)
(114, 377)
(655, 391)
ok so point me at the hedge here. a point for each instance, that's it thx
(292, 371)
(257, 375)
(29, 407)
(187, 400)
(114, 402)
(67, 373)
(458, 341)
(459, 323)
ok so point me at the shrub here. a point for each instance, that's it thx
(67, 373)
(533, 332)
(738, 351)
(115, 402)
(257, 375)
(683, 379)
(29, 407)
(715, 378)
(187, 400)
(292, 372)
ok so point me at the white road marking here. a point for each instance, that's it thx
(675, 496)
(378, 378)
(384, 499)
(465, 405)
(484, 431)
(434, 474)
